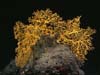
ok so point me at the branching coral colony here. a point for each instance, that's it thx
(46, 23)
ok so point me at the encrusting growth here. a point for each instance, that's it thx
(45, 22)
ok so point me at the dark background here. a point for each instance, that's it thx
(12, 11)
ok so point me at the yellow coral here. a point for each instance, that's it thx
(49, 23)
(27, 36)
(77, 38)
